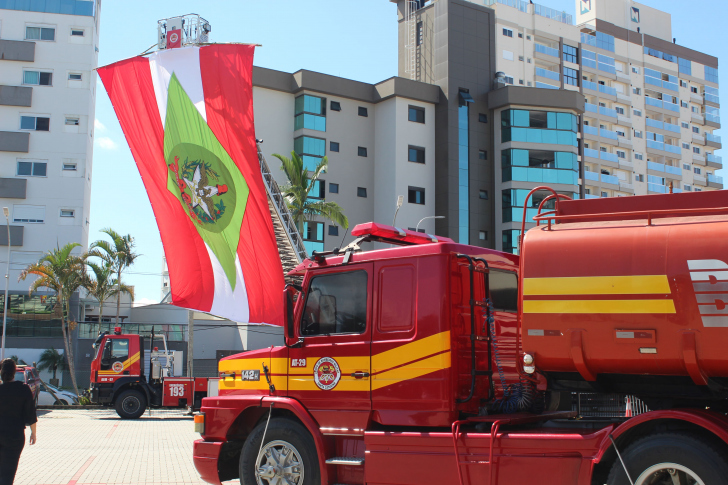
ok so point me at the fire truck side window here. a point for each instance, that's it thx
(336, 303)
(504, 290)
(118, 352)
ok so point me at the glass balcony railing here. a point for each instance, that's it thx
(548, 74)
(590, 85)
(657, 145)
(658, 167)
(670, 86)
(610, 179)
(654, 123)
(610, 157)
(673, 149)
(653, 81)
(591, 196)
(592, 108)
(607, 134)
(591, 176)
(588, 152)
(712, 98)
(591, 130)
(653, 102)
(519, 4)
(712, 118)
(671, 106)
(661, 83)
(673, 170)
(552, 14)
(715, 179)
(607, 89)
(660, 189)
(671, 127)
(550, 51)
(713, 138)
(714, 158)
(607, 111)
(585, 61)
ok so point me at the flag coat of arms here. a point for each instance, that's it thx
(187, 115)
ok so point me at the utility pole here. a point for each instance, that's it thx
(190, 341)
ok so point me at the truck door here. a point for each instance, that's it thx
(119, 357)
(329, 373)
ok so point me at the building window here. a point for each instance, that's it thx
(693, 89)
(538, 127)
(313, 236)
(361, 192)
(482, 118)
(507, 55)
(334, 188)
(687, 188)
(621, 154)
(33, 214)
(684, 125)
(636, 90)
(571, 76)
(520, 35)
(619, 110)
(637, 112)
(40, 33)
(483, 194)
(687, 166)
(73, 76)
(684, 104)
(76, 32)
(639, 177)
(363, 111)
(483, 235)
(683, 84)
(482, 155)
(38, 78)
(335, 106)
(311, 150)
(420, 33)
(637, 134)
(464, 165)
(571, 54)
(528, 37)
(520, 58)
(35, 123)
(68, 213)
(334, 146)
(72, 121)
(686, 146)
(509, 79)
(635, 70)
(696, 130)
(696, 170)
(310, 113)
(520, 81)
(416, 114)
(318, 191)
(31, 168)
(508, 32)
(605, 194)
(696, 150)
(416, 195)
(415, 154)
(70, 167)
(539, 166)
(711, 74)
(362, 151)
(333, 230)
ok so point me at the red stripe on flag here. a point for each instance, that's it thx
(227, 80)
(130, 88)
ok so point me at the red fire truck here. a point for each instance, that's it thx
(118, 379)
(440, 363)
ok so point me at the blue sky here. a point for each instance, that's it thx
(347, 38)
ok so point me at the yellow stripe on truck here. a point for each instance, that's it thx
(598, 285)
(598, 306)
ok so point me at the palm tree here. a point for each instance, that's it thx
(104, 286)
(17, 360)
(64, 273)
(119, 254)
(52, 360)
(297, 190)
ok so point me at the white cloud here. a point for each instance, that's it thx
(144, 302)
(99, 126)
(106, 143)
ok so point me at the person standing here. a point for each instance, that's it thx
(17, 410)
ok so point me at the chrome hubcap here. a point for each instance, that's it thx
(279, 463)
(668, 474)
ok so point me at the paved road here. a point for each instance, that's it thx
(85, 447)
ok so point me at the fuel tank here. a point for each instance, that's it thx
(633, 286)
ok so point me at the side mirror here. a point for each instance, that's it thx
(289, 305)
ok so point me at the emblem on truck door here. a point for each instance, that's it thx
(710, 279)
(326, 373)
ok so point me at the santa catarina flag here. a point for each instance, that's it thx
(187, 115)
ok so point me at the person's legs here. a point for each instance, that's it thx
(10, 450)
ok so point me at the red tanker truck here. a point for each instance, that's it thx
(428, 361)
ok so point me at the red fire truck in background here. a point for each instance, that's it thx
(118, 378)
(441, 363)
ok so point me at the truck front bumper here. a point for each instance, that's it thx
(205, 455)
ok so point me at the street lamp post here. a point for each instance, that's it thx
(428, 217)
(400, 200)
(7, 276)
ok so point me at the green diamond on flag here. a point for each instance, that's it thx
(204, 178)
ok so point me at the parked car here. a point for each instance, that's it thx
(64, 397)
(28, 374)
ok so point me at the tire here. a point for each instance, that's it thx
(130, 404)
(651, 460)
(282, 434)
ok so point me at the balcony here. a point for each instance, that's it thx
(604, 133)
(588, 152)
(591, 130)
(548, 74)
(699, 139)
(11, 188)
(593, 176)
(657, 167)
(625, 164)
(607, 112)
(673, 170)
(698, 158)
(12, 141)
(711, 98)
(696, 98)
(607, 90)
(697, 118)
(591, 108)
(626, 186)
(549, 51)
(652, 123)
(624, 98)
(610, 179)
(712, 120)
(674, 149)
(658, 103)
(699, 180)
(715, 181)
(713, 140)
(16, 96)
(714, 161)
(17, 50)
(610, 157)
(656, 188)
(552, 14)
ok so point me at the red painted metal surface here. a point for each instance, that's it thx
(177, 391)
(205, 455)
(119, 365)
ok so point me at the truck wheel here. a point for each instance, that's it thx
(130, 404)
(671, 458)
(288, 455)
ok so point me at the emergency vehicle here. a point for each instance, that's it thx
(118, 378)
(425, 361)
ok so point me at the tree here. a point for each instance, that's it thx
(119, 254)
(104, 286)
(63, 273)
(297, 190)
(52, 360)
(17, 360)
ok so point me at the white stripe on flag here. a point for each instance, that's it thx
(232, 304)
(185, 63)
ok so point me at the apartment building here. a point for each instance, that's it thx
(48, 53)
(650, 106)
